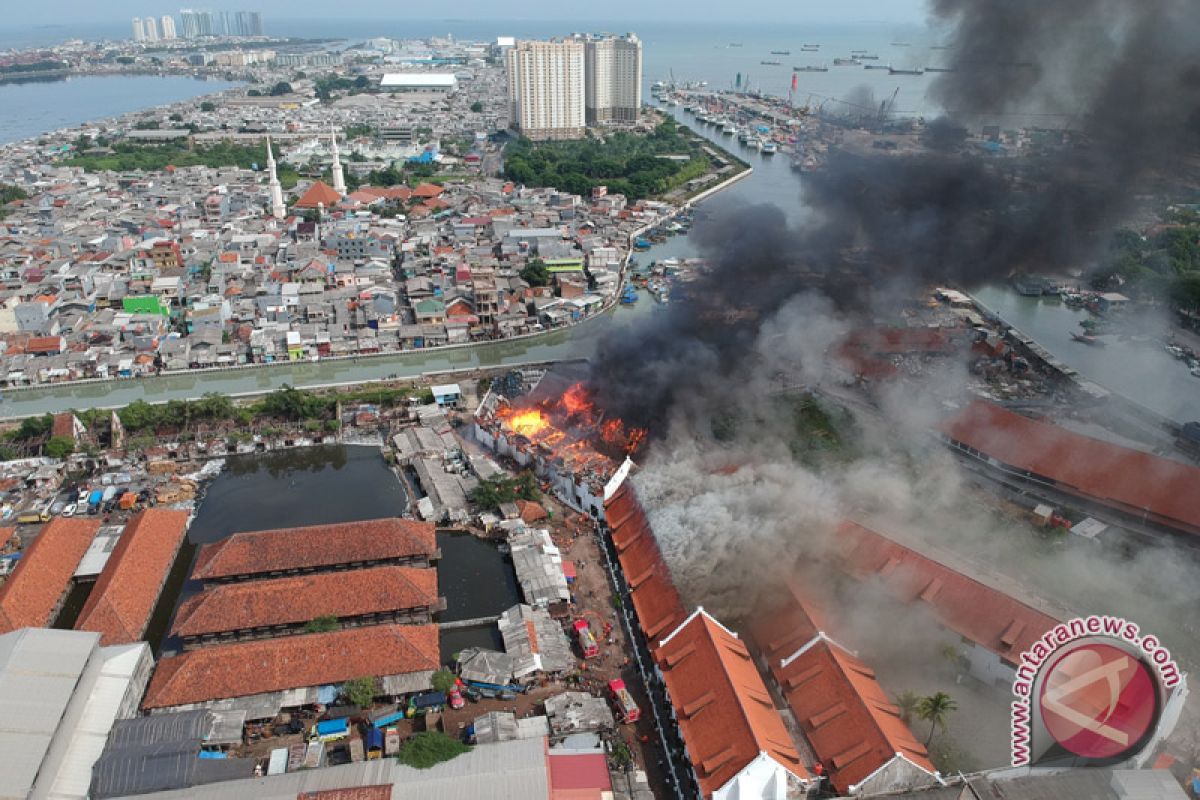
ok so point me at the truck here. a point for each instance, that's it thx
(587, 642)
(330, 730)
(33, 517)
(94, 500)
(374, 743)
(425, 702)
(627, 710)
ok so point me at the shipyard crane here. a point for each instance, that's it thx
(886, 106)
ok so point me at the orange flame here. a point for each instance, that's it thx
(528, 422)
(575, 401)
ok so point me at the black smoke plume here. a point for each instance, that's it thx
(1118, 80)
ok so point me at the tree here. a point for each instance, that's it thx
(321, 624)
(535, 273)
(60, 447)
(208, 106)
(176, 117)
(444, 680)
(934, 709)
(361, 691)
(908, 701)
(281, 88)
(477, 107)
(424, 750)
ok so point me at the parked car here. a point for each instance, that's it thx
(69, 510)
(456, 698)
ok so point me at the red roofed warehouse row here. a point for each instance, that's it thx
(855, 731)
(317, 548)
(1141, 486)
(265, 676)
(282, 606)
(998, 626)
(126, 593)
(34, 593)
(733, 736)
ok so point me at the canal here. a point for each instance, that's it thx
(1139, 369)
(328, 485)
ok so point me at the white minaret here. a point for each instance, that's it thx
(339, 180)
(277, 209)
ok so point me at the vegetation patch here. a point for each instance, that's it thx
(629, 164)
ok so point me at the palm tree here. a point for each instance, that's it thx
(935, 709)
(908, 702)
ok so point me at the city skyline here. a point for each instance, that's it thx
(849, 11)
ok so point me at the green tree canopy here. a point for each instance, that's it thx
(428, 748)
(60, 447)
(361, 691)
(535, 273)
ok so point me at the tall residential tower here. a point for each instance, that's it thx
(546, 88)
(168, 26)
(613, 81)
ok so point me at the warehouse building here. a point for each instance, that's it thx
(62, 692)
(419, 82)
(247, 610)
(317, 548)
(264, 677)
(854, 729)
(34, 593)
(125, 595)
(1129, 485)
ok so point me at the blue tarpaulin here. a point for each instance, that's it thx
(333, 726)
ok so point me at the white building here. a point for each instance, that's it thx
(139, 32)
(546, 88)
(61, 694)
(168, 27)
(150, 26)
(613, 78)
(430, 82)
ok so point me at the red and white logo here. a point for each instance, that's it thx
(1097, 700)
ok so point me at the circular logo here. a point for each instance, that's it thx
(1098, 701)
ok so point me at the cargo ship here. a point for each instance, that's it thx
(781, 52)
(894, 71)
(847, 62)
(810, 69)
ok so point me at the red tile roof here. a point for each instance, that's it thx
(122, 601)
(292, 662)
(725, 713)
(315, 546)
(45, 344)
(299, 599)
(381, 791)
(985, 615)
(31, 594)
(579, 776)
(655, 599)
(427, 190)
(847, 718)
(5, 535)
(1129, 480)
(320, 193)
(63, 425)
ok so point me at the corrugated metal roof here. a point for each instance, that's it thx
(514, 770)
(122, 667)
(39, 670)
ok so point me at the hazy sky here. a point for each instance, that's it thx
(792, 11)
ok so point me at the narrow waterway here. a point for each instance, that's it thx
(1138, 368)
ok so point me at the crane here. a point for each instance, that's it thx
(886, 106)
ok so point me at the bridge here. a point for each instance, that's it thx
(469, 623)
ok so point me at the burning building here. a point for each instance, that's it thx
(558, 432)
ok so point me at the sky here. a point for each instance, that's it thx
(65, 12)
